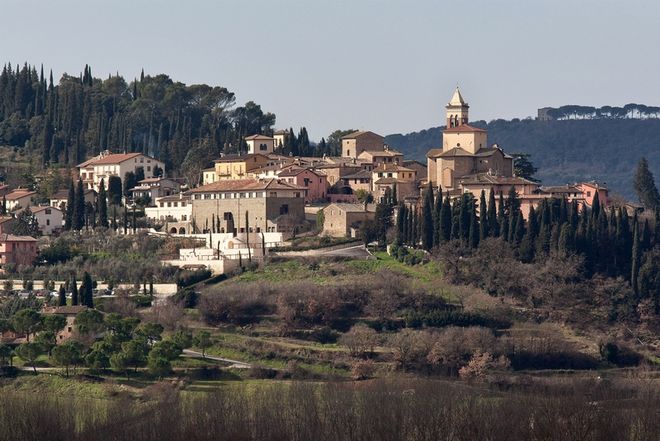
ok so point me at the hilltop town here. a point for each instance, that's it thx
(127, 274)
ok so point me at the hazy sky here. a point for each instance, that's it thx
(388, 66)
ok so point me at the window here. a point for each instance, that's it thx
(47, 221)
(273, 194)
(48, 211)
(284, 209)
(297, 194)
(588, 194)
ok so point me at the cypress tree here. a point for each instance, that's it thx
(656, 231)
(644, 185)
(70, 207)
(74, 291)
(595, 206)
(635, 260)
(566, 244)
(103, 205)
(464, 218)
(445, 220)
(88, 293)
(528, 243)
(79, 208)
(427, 219)
(483, 216)
(61, 298)
(502, 219)
(437, 216)
(473, 235)
(401, 225)
(493, 226)
(645, 241)
(519, 231)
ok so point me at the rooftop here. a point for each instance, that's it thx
(111, 158)
(18, 194)
(359, 133)
(457, 99)
(463, 128)
(354, 208)
(255, 137)
(11, 238)
(235, 158)
(487, 178)
(246, 185)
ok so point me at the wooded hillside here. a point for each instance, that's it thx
(606, 150)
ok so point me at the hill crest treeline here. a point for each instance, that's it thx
(81, 115)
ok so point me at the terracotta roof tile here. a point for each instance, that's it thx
(245, 185)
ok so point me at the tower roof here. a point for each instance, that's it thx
(457, 99)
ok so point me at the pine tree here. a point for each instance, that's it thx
(79, 208)
(644, 185)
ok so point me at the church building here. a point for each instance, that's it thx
(465, 153)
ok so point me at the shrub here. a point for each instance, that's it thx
(363, 369)
(619, 355)
(187, 278)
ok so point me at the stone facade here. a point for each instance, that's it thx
(357, 142)
(271, 206)
(339, 219)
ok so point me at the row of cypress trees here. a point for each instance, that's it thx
(611, 242)
(83, 296)
(80, 214)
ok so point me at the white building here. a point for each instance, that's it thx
(174, 208)
(116, 164)
(50, 219)
(20, 198)
(260, 144)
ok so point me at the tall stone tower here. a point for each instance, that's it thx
(457, 110)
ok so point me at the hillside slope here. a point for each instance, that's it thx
(564, 151)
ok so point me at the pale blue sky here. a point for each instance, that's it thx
(387, 66)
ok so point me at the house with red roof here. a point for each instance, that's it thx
(116, 164)
(17, 250)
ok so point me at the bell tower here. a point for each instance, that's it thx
(457, 110)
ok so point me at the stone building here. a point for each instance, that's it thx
(357, 142)
(268, 205)
(464, 151)
(342, 220)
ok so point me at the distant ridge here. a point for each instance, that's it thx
(565, 151)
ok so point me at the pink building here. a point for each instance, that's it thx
(314, 182)
(19, 250)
